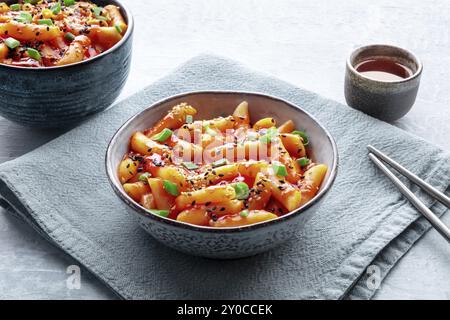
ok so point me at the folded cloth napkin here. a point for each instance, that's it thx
(61, 189)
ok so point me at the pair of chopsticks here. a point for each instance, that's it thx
(375, 155)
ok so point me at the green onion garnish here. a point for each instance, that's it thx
(270, 135)
(162, 213)
(31, 1)
(242, 190)
(171, 187)
(189, 119)
(15, 7)
(219, 163)
(56, 8)
(12, 43)
(69, 36)
(48, 22)
(24, 17)
(68, 3)
(303, 162)
(163, 135)
(97, 10)
(34, 54)
(244, 213)
(279, 169)
(144, 176)
(118, 28)
(190, 165)
(303, 135)
(210, 131)
(98, 13)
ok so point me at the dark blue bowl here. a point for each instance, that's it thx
(62, 96)
(233, 242)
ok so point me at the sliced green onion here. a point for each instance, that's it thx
(48, 22)
(242, 190)
(303, 135)
(24, 17)
(171, 187)
(15, 7)
(163, 135)
(12, 43)
(97, 10)
(219, 163)
(209, 131)
(244, 213)
(68, 3)
(189, 119)
(31, 1)
(69, 36)
(144, 176)
(56, 8)
(270, 135)
(118, 28)
(279, 169)
(98, 13)
(34, 54)
(303, 162)
(190, 165)
(162, 213)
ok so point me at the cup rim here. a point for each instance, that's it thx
(368, 46)
(179, 224)
(130, 23)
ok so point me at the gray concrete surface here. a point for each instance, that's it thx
(303, 42)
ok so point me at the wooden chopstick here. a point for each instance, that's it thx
(432, 191)
(423, 209)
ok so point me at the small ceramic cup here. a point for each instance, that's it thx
(385, 100)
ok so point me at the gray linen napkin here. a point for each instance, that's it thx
(62, 190)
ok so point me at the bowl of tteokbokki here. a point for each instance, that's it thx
(62, 60)
(222, 174)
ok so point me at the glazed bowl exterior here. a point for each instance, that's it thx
(236, 242)
(64, 95)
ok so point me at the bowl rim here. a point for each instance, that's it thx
(362, 48)
(128, 33)
(177, 224)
